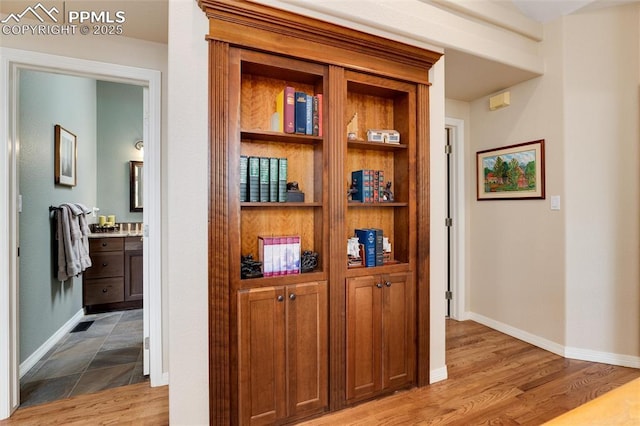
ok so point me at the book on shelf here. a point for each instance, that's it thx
(244, 175)
(363, 183)
(319, 114)
(379, 246)
(309, 116)
(285, 107)
(367, 237)
(292, 254)
(369, 185)
(265, 253)
(264, 179)
(282, 179)
(301, 113)
(280, 255)
(273, 179)
(254, 179)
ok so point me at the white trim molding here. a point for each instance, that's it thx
(556, 348)
(603, 357)
(438, 375)
(458, 230)
(37, 355)
(525, 336)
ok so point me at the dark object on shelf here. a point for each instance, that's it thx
(293, 193)
(352, 190)
(308, 261)
(250, 268)
(387, 195)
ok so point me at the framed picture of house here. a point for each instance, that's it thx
(66, 150)
(511, 172)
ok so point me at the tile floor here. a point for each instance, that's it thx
(108, 354)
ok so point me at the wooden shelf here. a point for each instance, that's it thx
(376, 205)
(283, 279)
(270, 205)
(376, 146)
(388, 268)
(269, 136)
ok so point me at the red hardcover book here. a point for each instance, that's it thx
(285, 106)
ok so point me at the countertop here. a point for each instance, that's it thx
(114, 234)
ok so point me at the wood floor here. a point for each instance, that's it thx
(493, 379)
(137, 404)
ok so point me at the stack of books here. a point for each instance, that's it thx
(280, 255)
(263, 179)
(368, 184)
(373, 249)
(299, 112)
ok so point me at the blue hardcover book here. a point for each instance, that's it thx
(367, 237)
(301, 113)
(309, 116)
(357, 180)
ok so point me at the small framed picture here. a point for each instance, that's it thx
(66, 156)
(511, 172)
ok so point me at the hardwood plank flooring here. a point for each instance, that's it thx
(137, 404)
(494, 379)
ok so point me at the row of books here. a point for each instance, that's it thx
(280, 255)
(367, 185)
(373, 247)
(263, 179)
(299, 112)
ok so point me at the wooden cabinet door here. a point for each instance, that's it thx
(133, 275)
(307, 353)
(398, 324)
(261, 363)
(364, 336)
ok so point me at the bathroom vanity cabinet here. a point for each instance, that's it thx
(114, 281)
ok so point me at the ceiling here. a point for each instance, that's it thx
(467, 77)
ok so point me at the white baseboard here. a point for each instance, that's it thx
(519, 334)
(556, 348)
(37, 355)
(438, 375)
(603, 357)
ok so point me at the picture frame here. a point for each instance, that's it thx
(511, 172)
(66, 157)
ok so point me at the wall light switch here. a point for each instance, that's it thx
(555, 202)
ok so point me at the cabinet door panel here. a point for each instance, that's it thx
(398, 330)
(307, 347)
(133, 275)
(364, 343)
(261, 356)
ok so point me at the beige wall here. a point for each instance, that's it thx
(569, 278)
(602, 180)
(517, 247)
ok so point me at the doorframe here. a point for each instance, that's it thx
(11, 61)
(458, 197)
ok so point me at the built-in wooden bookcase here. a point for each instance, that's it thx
(284, 348)
(383, 103)
(262, 77)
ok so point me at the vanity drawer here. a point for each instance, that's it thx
(107, 264)
(103, 290)
(105, 244)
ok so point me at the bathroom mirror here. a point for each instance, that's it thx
(135, 186)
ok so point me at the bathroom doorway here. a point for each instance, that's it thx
(13, 61)
(104, 350)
